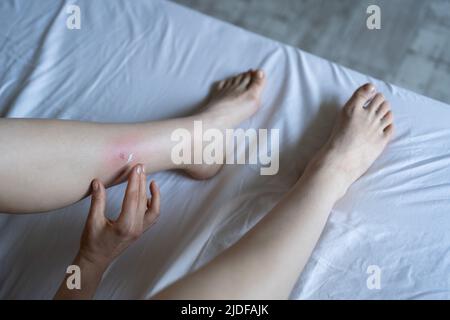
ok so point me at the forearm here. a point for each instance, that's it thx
(266, 262)
(91, 273)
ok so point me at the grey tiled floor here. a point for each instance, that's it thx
(412, 49)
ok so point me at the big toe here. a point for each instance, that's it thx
(361, 96)
(257, 81)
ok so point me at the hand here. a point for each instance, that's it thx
(103, 240)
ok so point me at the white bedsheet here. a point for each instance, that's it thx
(148, 60)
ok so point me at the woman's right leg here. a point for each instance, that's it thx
(267, 261)
(48, 164)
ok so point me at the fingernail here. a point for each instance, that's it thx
(138, 169)
(143, 169)
(260, 74)
(95, 185)
(371, 88)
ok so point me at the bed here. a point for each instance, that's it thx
(148, 60)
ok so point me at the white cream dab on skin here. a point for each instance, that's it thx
(130, 158)
(124, 157)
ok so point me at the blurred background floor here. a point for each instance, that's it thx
(412, 49)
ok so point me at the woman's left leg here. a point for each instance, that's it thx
(48, 164)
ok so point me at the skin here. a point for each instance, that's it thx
(103, 240)
(267, 261)
(50, 163)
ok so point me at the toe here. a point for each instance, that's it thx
(376, 102)
(387, 120)
(383, 109)
(361, 96)
(228, 83)
(220, 85)
(259, 75)
(388, 131)
(257, 80)
(246, 80)
(237, 80)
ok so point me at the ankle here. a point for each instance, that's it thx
(326, 171)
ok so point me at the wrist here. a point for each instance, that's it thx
(91, 273)
(96, 263)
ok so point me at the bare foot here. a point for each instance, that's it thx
(362, 131)
(232, 101)
(235, 99)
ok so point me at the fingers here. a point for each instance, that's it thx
(153, 206)
(98, 202)
(138, 212)
(131, 199)
(142, 205)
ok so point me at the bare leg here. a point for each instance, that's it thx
(266, 262)
(48, 164)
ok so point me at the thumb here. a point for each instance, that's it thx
(98, 201)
